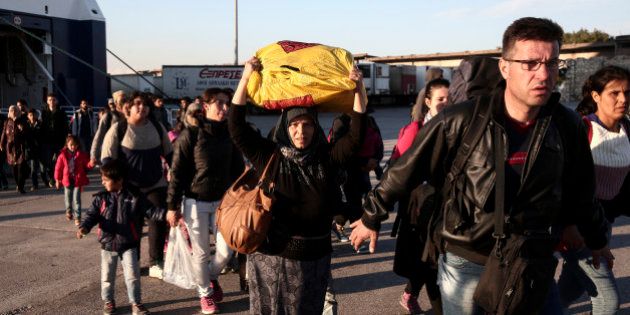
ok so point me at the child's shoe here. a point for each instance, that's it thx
(410, 303)
(139, 309)
(217, 292)
(208, 306)
(109, 308)
(69, 214)
(77, 222)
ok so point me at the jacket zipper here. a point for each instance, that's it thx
(540, 131)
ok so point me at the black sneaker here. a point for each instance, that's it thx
(109, 308)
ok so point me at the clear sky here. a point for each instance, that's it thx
(151, 33)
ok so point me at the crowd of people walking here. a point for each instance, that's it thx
(490, 163)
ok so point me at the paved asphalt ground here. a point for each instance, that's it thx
(44, 269)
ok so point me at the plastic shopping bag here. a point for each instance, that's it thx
(178, 261)
(303, 74)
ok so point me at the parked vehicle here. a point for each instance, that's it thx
(191, 81)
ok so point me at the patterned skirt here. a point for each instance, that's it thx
(280, 285)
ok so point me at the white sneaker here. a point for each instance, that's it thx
(156, 272)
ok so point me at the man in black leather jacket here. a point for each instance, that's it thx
(549, 179)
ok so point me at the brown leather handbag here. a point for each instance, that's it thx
(244, 215)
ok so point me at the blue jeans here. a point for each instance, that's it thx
(458, 279)
(579, 276)
(72, 199)
(131, 270)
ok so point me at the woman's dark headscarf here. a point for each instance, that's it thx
(281, 136)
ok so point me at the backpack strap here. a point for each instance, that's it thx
(589, 127)
(625, 123)
(121, 129)
(158, 126)
(476, 128)
(499, 189)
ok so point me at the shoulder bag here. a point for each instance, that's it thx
(244, 214)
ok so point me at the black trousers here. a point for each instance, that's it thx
(3, 176)
(85, 142)
(20, 172)
(49, 158)
(157, 229)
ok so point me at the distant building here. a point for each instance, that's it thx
(136, 82)
(619, 46)
(30, 69)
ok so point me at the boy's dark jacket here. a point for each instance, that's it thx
(120, 217)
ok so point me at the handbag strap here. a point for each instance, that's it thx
(265, 178)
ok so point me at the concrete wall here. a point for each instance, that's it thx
(579, 70)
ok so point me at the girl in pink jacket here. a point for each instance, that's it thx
(70, 171)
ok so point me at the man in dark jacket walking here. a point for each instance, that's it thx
(159, 112)
(54, 130)
(83, 125)
(549, 179)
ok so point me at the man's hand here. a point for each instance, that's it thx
(81, 232)
(606, 254)
(370, 165)
(361, 233)
(172, 217)
(572, 238)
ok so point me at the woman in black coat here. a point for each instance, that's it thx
(12, 144)
(289, 273)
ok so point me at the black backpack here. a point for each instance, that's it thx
(473, 77)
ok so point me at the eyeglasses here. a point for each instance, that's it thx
(533, 65)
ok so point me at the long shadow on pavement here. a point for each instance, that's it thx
(234, 306)
(30, 215)
(367, 282)
(367, 260)
(620, 241)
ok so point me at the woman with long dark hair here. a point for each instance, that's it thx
(604, 106)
